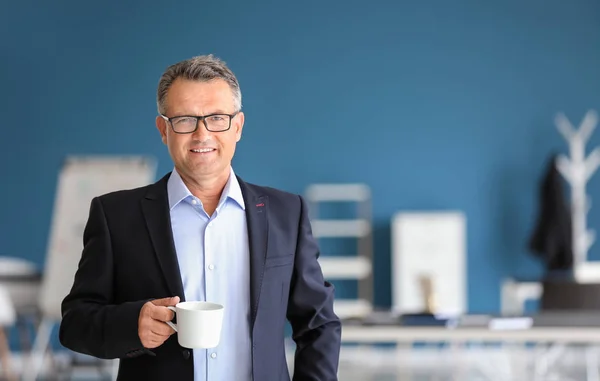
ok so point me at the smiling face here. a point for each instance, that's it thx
(202, 155)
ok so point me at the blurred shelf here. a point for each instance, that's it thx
(338, 192)
(357, 266)
(346, 267)
(340, 228)
(352, 308)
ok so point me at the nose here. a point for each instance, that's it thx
(201, 132)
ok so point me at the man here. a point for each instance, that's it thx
(202, 233)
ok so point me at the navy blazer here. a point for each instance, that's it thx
(129, 258)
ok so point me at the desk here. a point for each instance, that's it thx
(551, 346)
(7, 318)
(408, 335)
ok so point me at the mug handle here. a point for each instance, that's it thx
(169, 323)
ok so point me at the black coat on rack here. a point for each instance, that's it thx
(552, 237)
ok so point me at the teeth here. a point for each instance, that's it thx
(202, 150)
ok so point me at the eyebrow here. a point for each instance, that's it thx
(217, 111)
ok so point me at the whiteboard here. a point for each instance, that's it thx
(80, 180)
(431, 244)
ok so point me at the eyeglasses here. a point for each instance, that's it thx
(186, 124)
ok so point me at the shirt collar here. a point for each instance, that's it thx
(178, 191)
(233, 190)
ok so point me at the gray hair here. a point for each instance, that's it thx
(200, 68)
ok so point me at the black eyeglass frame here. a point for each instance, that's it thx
(198, 119)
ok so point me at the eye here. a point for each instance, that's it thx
(183, 121)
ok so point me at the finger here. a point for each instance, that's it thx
(162, 330)
(151, 336)
(155, 339)
(162, 314)
(166, 301)
(159, 337)
(153, 343)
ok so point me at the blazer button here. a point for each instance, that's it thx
(186, 354)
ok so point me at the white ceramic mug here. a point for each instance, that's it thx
(198, 324)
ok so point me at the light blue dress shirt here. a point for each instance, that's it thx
(214, 261)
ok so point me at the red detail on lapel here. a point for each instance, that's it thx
(261, 204)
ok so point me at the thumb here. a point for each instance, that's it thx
(166, 301)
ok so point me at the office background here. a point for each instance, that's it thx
(435, 105)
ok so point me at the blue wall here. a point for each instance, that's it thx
(434, 104)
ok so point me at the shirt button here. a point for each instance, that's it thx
(186, 354)
(210, 267)
(213, 355)
(194, 201)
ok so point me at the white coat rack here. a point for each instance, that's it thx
(577, 170)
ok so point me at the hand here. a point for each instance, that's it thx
(152, 329)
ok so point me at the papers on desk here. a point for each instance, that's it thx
(588, 319)
(510, 323)
(495, 323)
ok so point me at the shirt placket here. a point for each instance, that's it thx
(210, 288)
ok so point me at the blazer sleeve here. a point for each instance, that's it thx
(91, 323)
(316, 328)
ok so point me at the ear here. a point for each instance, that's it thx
(238, 125)
(161, 125)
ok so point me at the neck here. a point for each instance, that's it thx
(208, 189)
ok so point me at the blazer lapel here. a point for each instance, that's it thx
(256, 216)
(155, 206)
